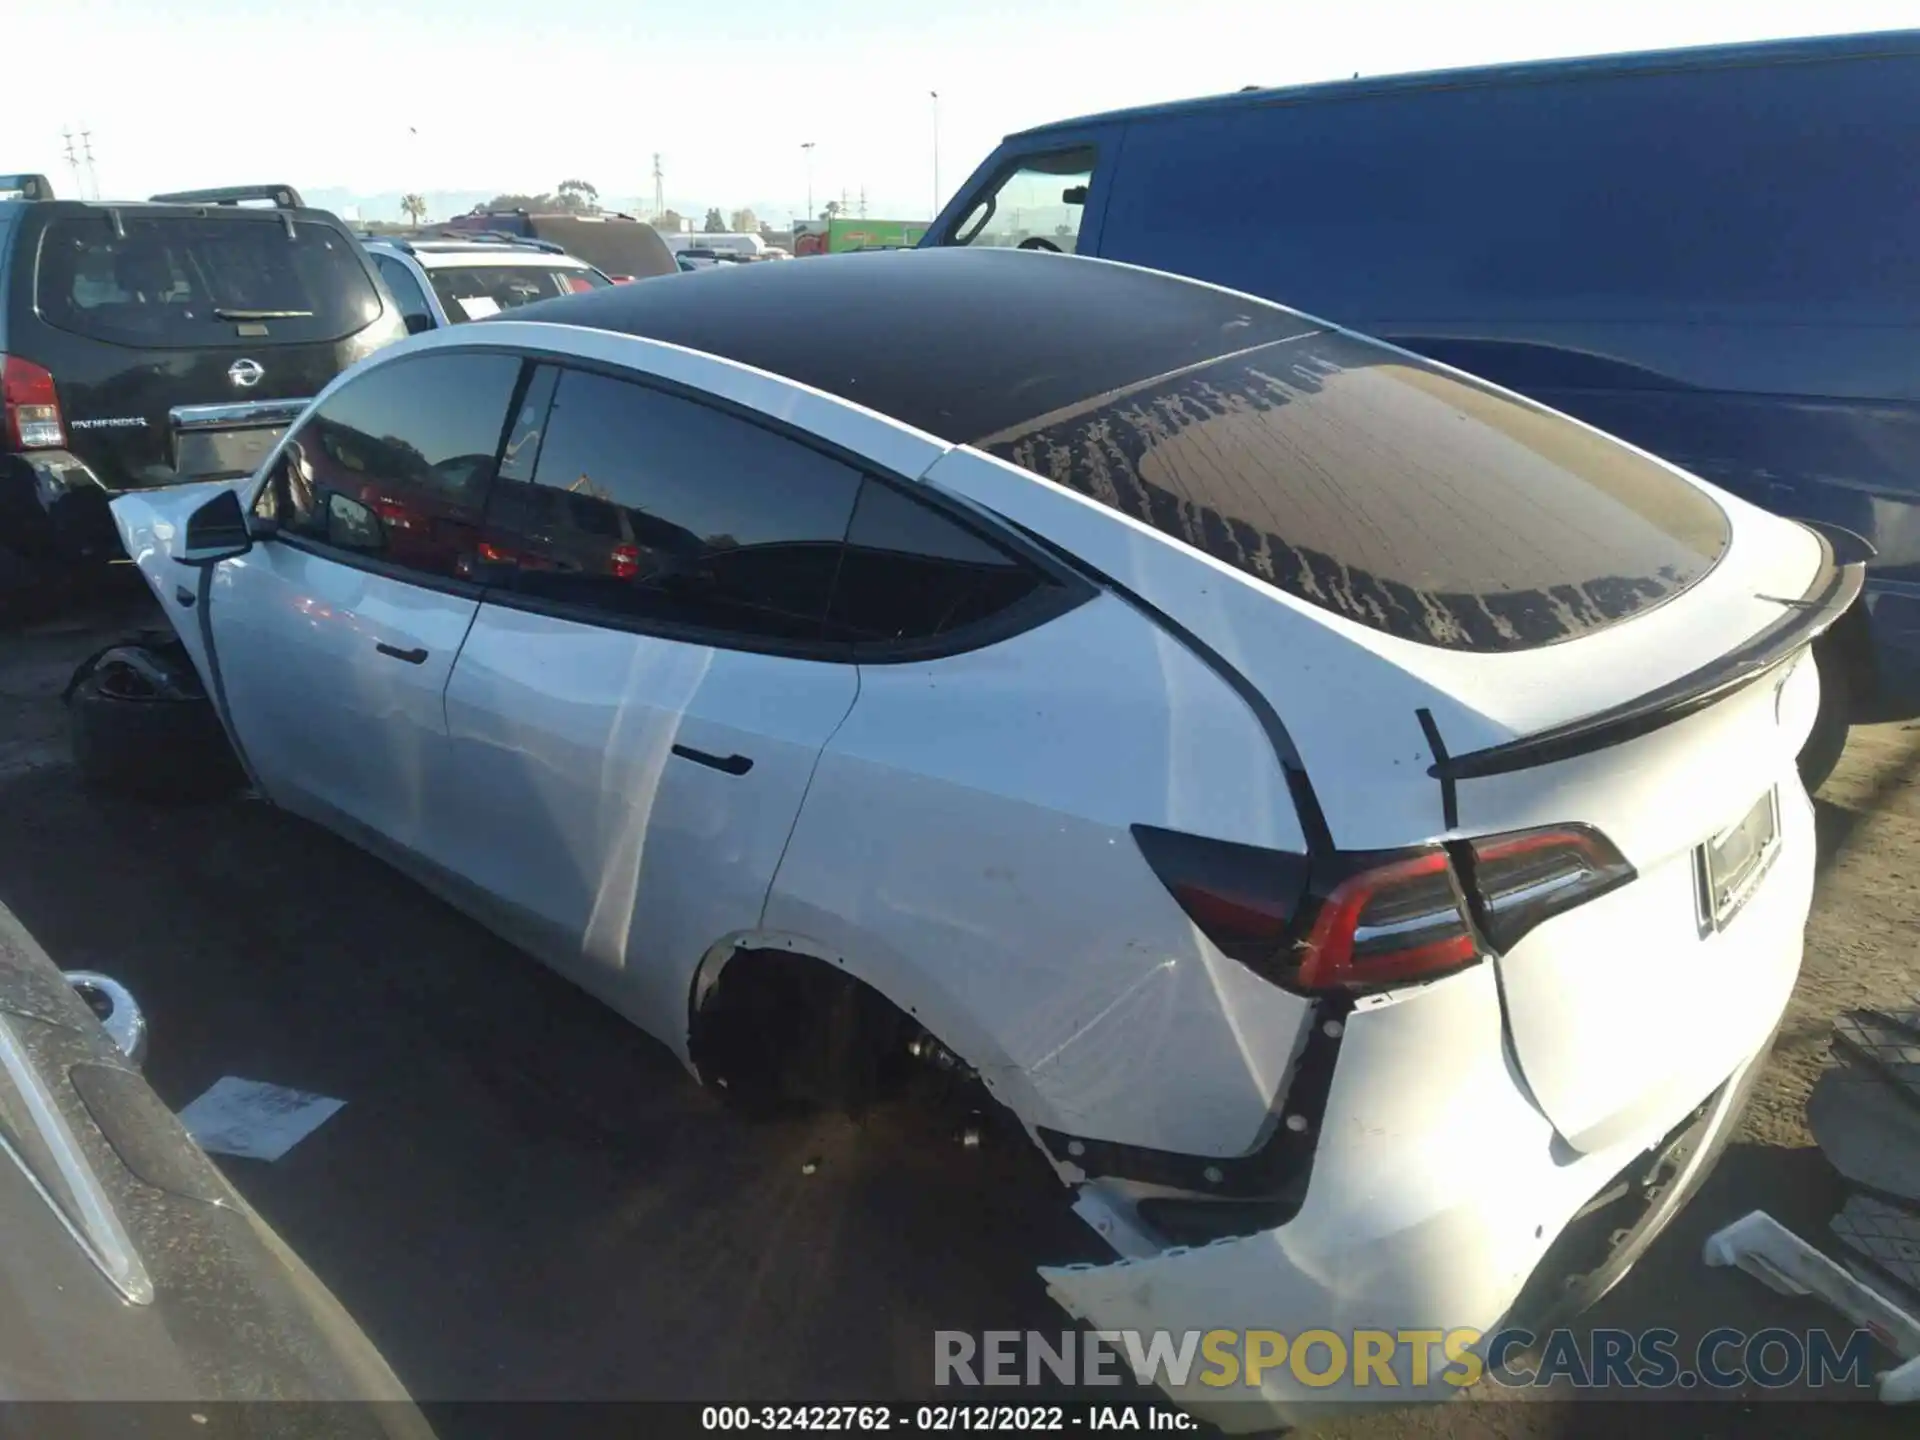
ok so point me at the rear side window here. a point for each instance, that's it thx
(184, 281)
(1382, 489)
(911, 573)
(649, 507)
(396, 466)
(473, 292)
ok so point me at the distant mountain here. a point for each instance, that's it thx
(350, 204)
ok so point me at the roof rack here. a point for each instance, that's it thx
(499, 237)
(27, 187)
(283, 197)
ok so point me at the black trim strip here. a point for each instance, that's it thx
(1278, 1167)
(1449, 793)
(726, 764)
(1834, 589)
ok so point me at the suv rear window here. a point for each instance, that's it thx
(1387, 491)
(185, 281)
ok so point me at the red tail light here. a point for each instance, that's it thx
(1404, 920)
(32, 407)
(1529, 876)
(625, 563)
(1367, 921)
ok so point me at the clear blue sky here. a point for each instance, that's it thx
(520, 94)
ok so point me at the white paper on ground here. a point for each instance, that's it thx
(254, 1120)
(479, 306)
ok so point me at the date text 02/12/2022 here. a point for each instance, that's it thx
(945, 1418)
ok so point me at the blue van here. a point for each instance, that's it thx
(1713, 253)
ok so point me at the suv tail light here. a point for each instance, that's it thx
(32, 407)
(1381, 918)
(1528, 876)
(1403, 920)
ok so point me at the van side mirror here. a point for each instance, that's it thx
(216, 531)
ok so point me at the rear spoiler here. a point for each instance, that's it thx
(1835, 587)
(283, 197)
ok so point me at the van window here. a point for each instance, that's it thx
(1037, 203)
(1388, 491)
(185, 281)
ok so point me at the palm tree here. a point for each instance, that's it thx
(415, 207)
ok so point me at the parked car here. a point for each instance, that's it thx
(145, 344)
(621, 246)
(448, 282)
(1706, 252)
(131, 1270)
(1344, 810)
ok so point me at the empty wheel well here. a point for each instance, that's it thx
(779, 1030)
(1851, 641)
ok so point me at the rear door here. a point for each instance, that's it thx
(335, 638)
(138, 312)
(636, 715)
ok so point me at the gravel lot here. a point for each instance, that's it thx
(525, 1198)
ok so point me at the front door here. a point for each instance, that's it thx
(335, 638)
(635, 717)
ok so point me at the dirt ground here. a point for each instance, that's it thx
(525, 1198)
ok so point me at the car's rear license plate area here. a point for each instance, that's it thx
(223, 454)
(1731, 865)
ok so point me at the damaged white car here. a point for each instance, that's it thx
(1346, 812)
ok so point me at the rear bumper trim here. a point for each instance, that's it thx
(252, 414)
(1835, 587)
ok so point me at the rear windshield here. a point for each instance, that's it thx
(473, 292)
(1388, 492)
(184, 281)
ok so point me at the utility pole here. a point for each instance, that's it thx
(936, 151)
(86, 152)
(863, 202)
(807, 146)
(659, 188)
(73, 163)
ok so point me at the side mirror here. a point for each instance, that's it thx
(419, 324)
(216, 531)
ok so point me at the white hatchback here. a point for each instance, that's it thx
(1346, 812)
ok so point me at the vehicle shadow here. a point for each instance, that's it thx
(524, 1197)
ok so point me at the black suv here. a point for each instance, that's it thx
(151, 343)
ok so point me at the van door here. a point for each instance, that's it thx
(1043, 192)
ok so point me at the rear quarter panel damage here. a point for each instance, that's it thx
(966, 846)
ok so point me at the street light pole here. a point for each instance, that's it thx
(807, 145)
(936, 155)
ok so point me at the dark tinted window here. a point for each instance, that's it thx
(397, 464)
(911, 573)
(1389, 492)
(407, 293)
(647, 506)
(181, 281)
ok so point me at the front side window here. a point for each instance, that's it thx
(184, 281)
(396, 466)
(1036, 205)
(649, 507)
(473, 292)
